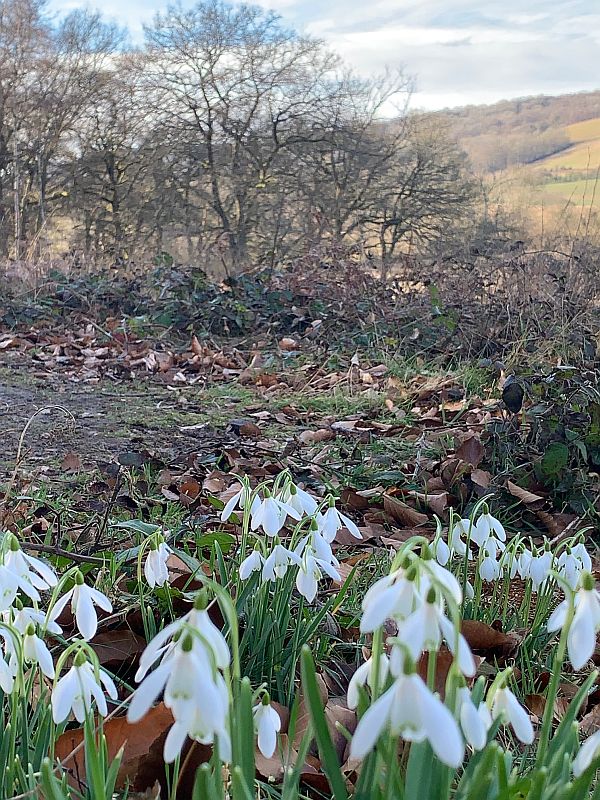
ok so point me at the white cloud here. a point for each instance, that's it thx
(460, 51)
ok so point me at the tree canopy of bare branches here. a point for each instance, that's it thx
(225, 138)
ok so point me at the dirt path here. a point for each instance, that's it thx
(92, 422)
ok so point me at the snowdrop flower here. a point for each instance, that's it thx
(320, 545)
(409, 709)
(239, 501)
(588, 753)
(28, 568)
(364, 675)
(155, 566)
(582, 554)
(200, 728)
(475, 721)
(459, 529)
(523, 563)
(489, 569)
(276, 564)
(443, 578)
(506, 705)
(35, 650)
(299, 500)
(197, 619)
(271, 514)
(194, 691)
(268, 724)
(76, 690)
(539, 570)
(83, 598)
(310, 573)
(394, 596)
(569, 567)
(22, 616)
(572, 562)
(508, 562)
(9, 588)
(425, 628)
(332, 520)
(250, 564)
(581, 637)
(487, 526)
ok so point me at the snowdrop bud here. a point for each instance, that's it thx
(506, 705)
(35, 650)
(201, 600)
(588, 753)
(475, 721)
(442, 551)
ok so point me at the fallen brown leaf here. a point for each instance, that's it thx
(402, 513)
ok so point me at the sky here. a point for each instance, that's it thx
(457, 51)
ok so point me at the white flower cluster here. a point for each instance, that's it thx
(192, 653)
(311, 554)
(415, 597)
(22, 578)
(496, 559)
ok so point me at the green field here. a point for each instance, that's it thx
(570, 178)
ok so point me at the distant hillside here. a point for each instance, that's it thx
(543, 154)
(523, 131)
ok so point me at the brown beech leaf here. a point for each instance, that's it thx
(438, 503)
(114, 647)
(555, 523)
(303, 718)
(529, 498)
(590, 723)
(402, 513)
(71, 463)
(143, 763)
(314, 437)
(190, 488)
(471, 450)
(535, 704)
(443, 663)
(481, 477)
(274, 767)
(337, 713)
(484, 639)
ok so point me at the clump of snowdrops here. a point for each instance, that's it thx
(477, 740)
